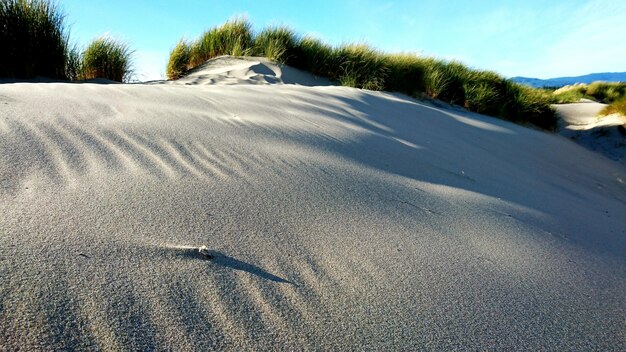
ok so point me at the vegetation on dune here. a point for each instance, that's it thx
(178, 63)
(406, 73)
(33, 39)
(604, 92)
(73, 64)
(275, 43)
(232, 38)
(108, 58)
(523, 104)
(616, 107)
(485, 92)
(35, 43)
(360, 66)
(313, 55)
(567, 96)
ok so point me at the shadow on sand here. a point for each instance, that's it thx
(218, 258)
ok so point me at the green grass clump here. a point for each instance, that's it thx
(406, 73)
(313, 55)
(616, 107)
(523, 104)
(33, 39)
(484, 92)
(178, 63)
(73, 64)
(569, 96)
(445, 81)
(276, 43)
(107, 58)
(232, 38)
(606, 92)
(358, 66)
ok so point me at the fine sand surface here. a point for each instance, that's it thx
(339, 219)
(581, 123)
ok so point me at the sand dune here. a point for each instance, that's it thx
(603, 134)
(338, 219)
(227, 70)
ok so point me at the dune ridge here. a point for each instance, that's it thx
(339, 219)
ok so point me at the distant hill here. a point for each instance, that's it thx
(563, 81)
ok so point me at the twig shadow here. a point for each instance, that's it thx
(218, 258)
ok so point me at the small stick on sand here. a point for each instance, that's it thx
(204, 251)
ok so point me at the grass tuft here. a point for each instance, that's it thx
(178, 62)
(33, 39)
(313, 55)
(232, 38)
(606, 92)
(358, 66)
(406, 73)
(569, 96)
(276, 43)
(108, 58)
(616, 107)
(73, 64)
(523, 104)
(444, 81)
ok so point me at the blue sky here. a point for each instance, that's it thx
(515, 38)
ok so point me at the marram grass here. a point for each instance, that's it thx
(604, 92)
(35, 43)
(33, 39)
(616, 107)
(361, 66)
(179, 59)
(276, 43)
(107, 58)
(232, 38)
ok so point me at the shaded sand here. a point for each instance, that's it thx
(338, 219)
(603, 134)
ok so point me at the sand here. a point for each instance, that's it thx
(581, 123)
(337, 219)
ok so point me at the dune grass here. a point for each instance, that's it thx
(604, 92)
(616, 107)
(178, 63)
(73, 64)
(108, 58)
(35, 42)
(361, 66)
(276, 43)
(33, 39)
(569, 96)
(358, 66)
(485, 92)
(311, 54)
(406, 73)
(523, 104)
(232, 38)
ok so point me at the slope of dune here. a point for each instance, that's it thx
(338, 219)
(603, 134)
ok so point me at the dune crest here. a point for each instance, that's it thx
(229, 70)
